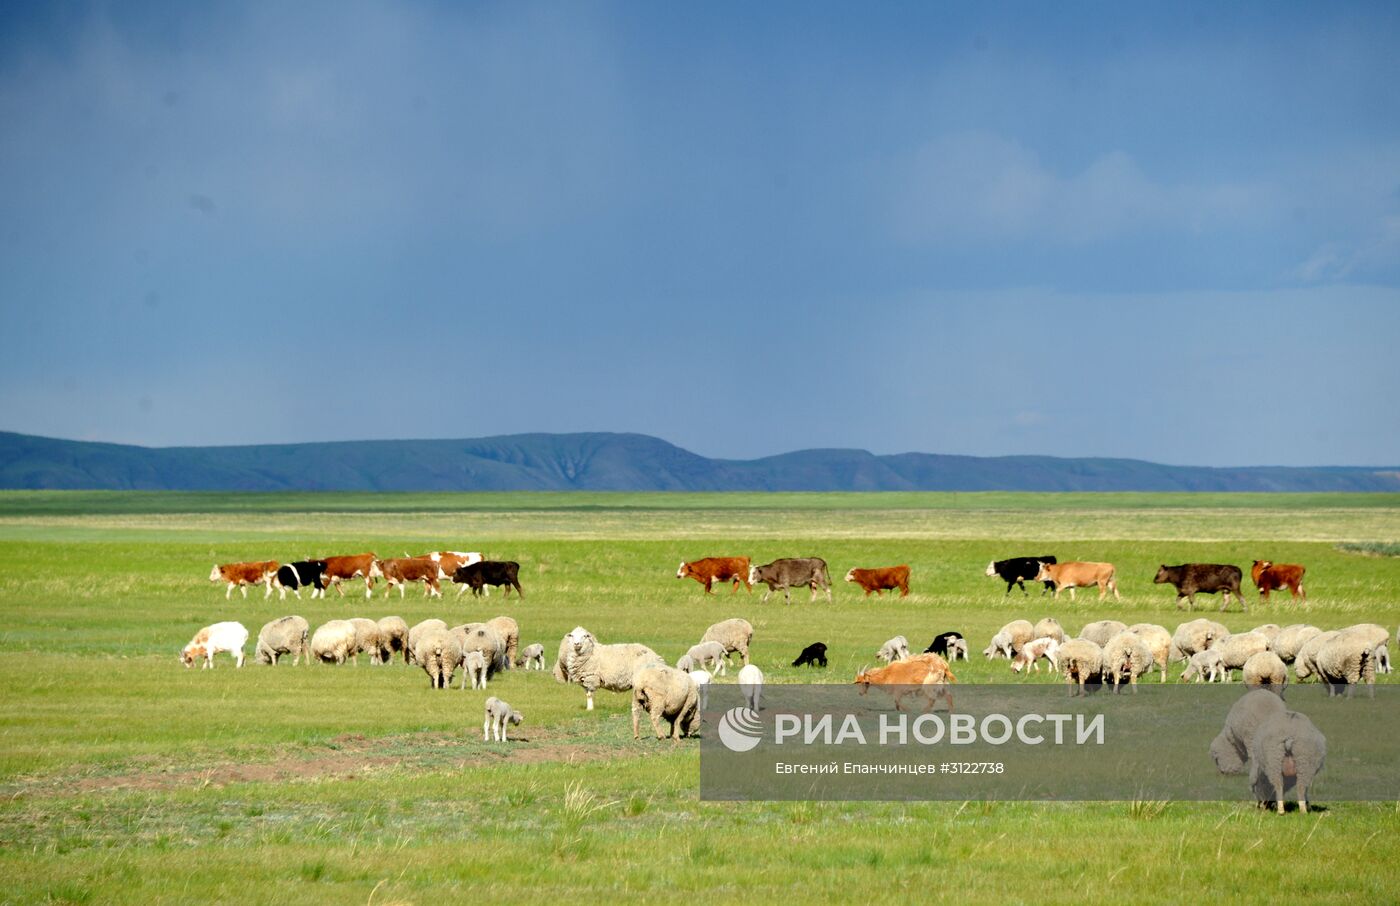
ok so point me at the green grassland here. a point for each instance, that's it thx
(126, 778)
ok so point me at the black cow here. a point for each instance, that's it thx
(1205, 578)
(301, 574)
(813, 655)
(1019, 571)
(792, 572)
(940, 643)
(489, 572)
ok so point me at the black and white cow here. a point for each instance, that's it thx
(1019, 571)
(792, 572)
(301, 574)
(477, 576)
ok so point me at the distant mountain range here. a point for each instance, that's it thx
(613, 462)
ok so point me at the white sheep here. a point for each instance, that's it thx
(957, 648)
(417, 632)
(1204, 666)
(366, 639)
(333, 641)
(1230, 748)
(532, 657)
(1081, 661)
(710, 655)
(1158, 641)
(1030, 654)
(1383, 659)
(586, 663)
(1126, 655)
(665, 692)
(473, 667)
(509, 631)
(1009, 639)
(1269, 630)
(1291, 638)
(896, 649)
(439, 652)
(1305, 664)
(498, 715)
(209, 641)
(482, 637)
(1349, 659)
(1287, 751)
(734, 634)
(702, 685)
(1195, 635)
(1265, 669)
(1050, 628)
(393, 636)
(1102, 631)
(751, 686)
(287, 635)
(1236, 649)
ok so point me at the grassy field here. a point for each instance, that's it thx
(128, 779)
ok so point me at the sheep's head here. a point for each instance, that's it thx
(581, 642)
(516, 717)
(191, 654)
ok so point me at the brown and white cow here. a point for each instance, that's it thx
(1274, 576)
(881, 579)
(1080, 574)
(448, 561)
(241, 575)
(353, 566)
(399, 571)
(717, 569)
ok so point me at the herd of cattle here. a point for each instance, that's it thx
(465, 568)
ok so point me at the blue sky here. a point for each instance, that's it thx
(1167, 232)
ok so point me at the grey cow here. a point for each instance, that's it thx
(792, 572)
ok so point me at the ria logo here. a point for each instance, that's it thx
(740, 729)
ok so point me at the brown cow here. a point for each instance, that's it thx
(448, 561)
(717, 569)
(353, 566)
(1080, 574)
(923, 674)
(881, 578)
(241, 575)
(399, 571)
(1273, 576)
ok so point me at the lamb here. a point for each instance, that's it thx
(1230, 748)
(333, 641)
(665, 692)
(1383, 659)
(734, 635)
(1204, 666)
(1030, 654)
(709, 655)
(957, 648)
(814, 655)
(702, 685)
(393, 636)
(440, 653)
(209, 641)
(1009, 639)
(1102, 631)
(474, 667)
(1193, 636)
(593, 666)
(498, 715)
(896, 649)
(1305, 664)
(1236, 649)
(1158, 641)
(1291, 638)
(509, 631)
(482, 637)
(283, 636)
(1265, 669)
(941, 643)
(1287, 751)
(1081, 661)
(751, 686)
(1350, 659)
(1126, 655)
(532, 658)
(416, 633)
(1050, 628)
(366, 639)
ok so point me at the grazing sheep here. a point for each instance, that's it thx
(1050, 628)
(1230, 748)
(1265, 669)
(440, 653)
(473, 668)
(1204, 666)
(896, 649)
(1030, 654)
(416, 633)
(702, 685)
(209, 641)
(1195, 635)
(1126, 655)
(1102, 631)
(532, 658)
(751, 686)
(498, 715)
(1270, 631)
(393, 636)
(734, 635)
(1383, 659)
(1287, 751)
(814, 655)
(709, 655)
(1158, 641)
(1349, 659)
(586, 663)
(482, 637)
(1081, 662)
(665, 692)
(1380, 636)
(509, 631)
(283, 636)
(1291, 638)
(333, 641)
(1009, 639)
(366, 639)
(1236, 649)
(1305, 664)
(957, 648)
(941, 643)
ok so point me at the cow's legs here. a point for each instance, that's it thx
(228, 593)
(244, 590)
(1071, 592)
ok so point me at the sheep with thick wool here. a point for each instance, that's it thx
(1305, 664)
(1158, 641)
(1349, 659)
(1270, 631)
(509, 631)
(584, 662)
(1102, 632)
(287, 635)
(474, 669)
(1230, 748)
(1265, 669)
(1286, 753)
(1236, 649)
(1009, 639)
(734, 634)
(1049, 628)
(366, 639)
(1291, 638)
(417, 632)
(896, 649)
(333, 642)
(1081, 662)
(1125, 656)
(482, 637)
(393, 636)
(665, 693)
(440, 653)
(1193, 636)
